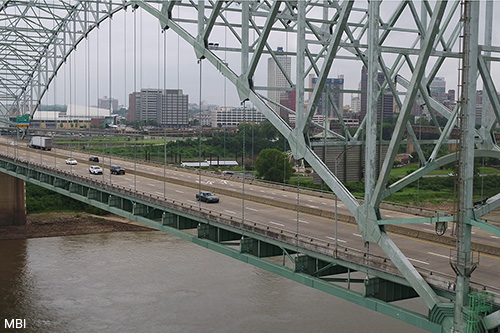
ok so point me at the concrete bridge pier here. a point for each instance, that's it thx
(12, 200)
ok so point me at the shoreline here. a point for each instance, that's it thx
(68, 224)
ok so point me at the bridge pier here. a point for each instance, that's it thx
(12, 201)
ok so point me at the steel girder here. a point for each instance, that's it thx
(410, 46)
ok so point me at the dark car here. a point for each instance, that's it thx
(94, 159)
(207, 197)
(117, 170)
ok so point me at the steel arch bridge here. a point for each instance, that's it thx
(404, 46)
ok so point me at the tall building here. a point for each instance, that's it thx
(438, 89)
(174, 110)
(355, 104)
(108, 103)
(385, 103)
(134, 102)
(288, 100)
(332, 95)
(276, 78)
(168, 107)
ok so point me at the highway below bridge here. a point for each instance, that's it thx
(274, 207)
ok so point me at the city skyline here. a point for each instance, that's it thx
(167, 62)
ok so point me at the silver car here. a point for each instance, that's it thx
(71, 161)
(95, 170)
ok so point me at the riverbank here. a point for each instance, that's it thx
(67, 224)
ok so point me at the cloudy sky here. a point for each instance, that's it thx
(144, 57)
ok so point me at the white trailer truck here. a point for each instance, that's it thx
(41, 142)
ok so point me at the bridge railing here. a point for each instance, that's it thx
(299, 242)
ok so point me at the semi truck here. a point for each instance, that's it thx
(41, 142)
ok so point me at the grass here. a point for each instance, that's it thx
(407, 169)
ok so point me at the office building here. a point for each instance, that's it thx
(169, 108)
(108, 103)
(276, 78)
(438, 89)
(232, 117)
(385, 103)
(332, 97)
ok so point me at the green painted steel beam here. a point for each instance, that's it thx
(418, 220)
(485, 226)
(403, 118)
(491, 321)
(488, 206)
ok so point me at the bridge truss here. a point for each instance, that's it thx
(409, 42)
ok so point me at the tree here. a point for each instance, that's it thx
(273, 165)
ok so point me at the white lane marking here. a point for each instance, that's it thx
(338, 240)
(178, 191)
(262, 191)
(301, 221)
(310, 200)
(428, 223)
(312, 206)
(495, 237)
(154, 185)
(253, 209)
(230, 211)
(223, 182)
(191, 201)
(160, 193)
(285, 195)
(325, 203)
(387, 215)
(419, 261)
(357, 234)
(275, 223)
(438, 255)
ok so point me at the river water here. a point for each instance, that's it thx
(153, 282)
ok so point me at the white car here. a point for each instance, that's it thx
(95, 169)
(71, 161)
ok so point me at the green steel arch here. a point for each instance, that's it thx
(406, 43)
(37, 38)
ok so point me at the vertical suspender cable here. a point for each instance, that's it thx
(97, 91)
(199, 136)
(69, 122)
(225, 92)
(109, 83)
(244, 174)
(135, 95)
(125, 97)
(178, 83)
(298, 212)
(164, 102)
(87, 83)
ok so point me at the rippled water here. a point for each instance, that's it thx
(152, 282)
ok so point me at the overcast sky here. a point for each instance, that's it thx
(142, 64)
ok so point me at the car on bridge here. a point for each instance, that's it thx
(71, 161)
(95, 170)
(116, 170)
(206, 196)
(94, 159)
